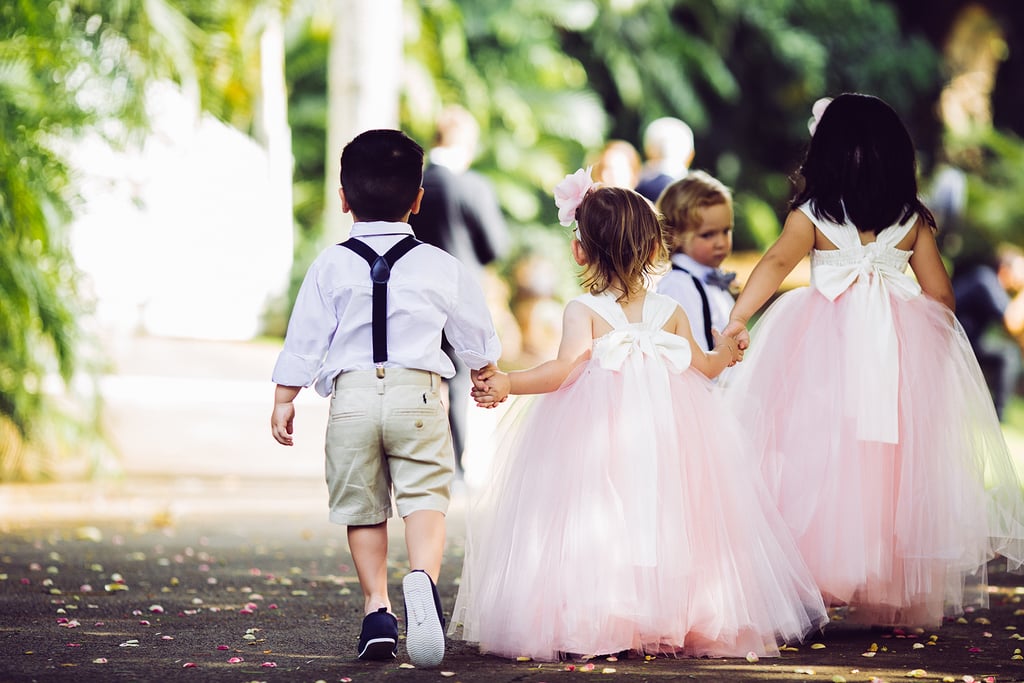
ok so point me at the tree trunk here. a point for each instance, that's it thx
(276, 136)
(363, 84)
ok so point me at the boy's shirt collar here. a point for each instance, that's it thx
(372, 228)
(684, 261)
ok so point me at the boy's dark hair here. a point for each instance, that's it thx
(861, 159)
(381, 173)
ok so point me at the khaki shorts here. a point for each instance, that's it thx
(385, 434)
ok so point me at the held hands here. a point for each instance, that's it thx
(737, 329)
(729, 346)
(490, 386)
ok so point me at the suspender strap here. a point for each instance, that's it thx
(705, 306)
(380, 273)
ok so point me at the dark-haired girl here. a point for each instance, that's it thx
(875, 429)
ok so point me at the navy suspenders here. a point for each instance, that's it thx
(380, 273)
(705, 306)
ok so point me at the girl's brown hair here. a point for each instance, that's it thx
(622, 236)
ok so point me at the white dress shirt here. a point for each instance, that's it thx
(680, 286)
(429, 291)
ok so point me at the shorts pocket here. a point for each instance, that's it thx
(351, 404)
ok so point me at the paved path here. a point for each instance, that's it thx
(213, 546)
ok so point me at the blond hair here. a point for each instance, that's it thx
(621, 234)
(681, 202)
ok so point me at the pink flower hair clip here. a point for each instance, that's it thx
(816, 111)
(570, 192)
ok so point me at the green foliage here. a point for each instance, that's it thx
(41, 88)
(994, 212)
(787, 54)
(47, 58)
(551, 80)
(68, 69)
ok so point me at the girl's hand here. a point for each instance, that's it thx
(495, 390)
(728, 345)
(738, 331)
(480, 377)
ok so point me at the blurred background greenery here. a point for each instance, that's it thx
(548, 80)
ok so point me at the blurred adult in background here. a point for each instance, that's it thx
(617, 165)
(990, 306)
(460, 214)
(668, 151)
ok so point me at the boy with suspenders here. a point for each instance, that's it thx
(366, 331)
(698, 219)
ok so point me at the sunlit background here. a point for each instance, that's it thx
(168, 170)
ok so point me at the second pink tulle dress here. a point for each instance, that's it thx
(877, 436)
(623, 513)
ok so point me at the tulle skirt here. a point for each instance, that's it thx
(622, 512)
(900, 531)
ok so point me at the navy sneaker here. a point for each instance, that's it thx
(424, 622)
(379, 638)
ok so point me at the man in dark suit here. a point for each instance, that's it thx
(460, 214)
(990, 307)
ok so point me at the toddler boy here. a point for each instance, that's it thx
(698, 222)
(366, 331)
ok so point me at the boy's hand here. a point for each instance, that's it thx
(481, 376)
(494, 391)
(282, 421)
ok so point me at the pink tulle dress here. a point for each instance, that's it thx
(623, 513)
(877, 436)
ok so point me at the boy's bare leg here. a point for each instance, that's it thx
(369, 548)
(424, 539)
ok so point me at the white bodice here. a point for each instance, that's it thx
(871, 275)
(835, 270)
(644, 339)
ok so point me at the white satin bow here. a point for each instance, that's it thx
(639, 475)
(873, 398)
(615, 347)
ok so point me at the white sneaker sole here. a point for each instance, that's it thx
(378, 649)
(424, 637)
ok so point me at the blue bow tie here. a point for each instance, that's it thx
(720, 279)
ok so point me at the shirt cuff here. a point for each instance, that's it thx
(293, 370)
(477, 359)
